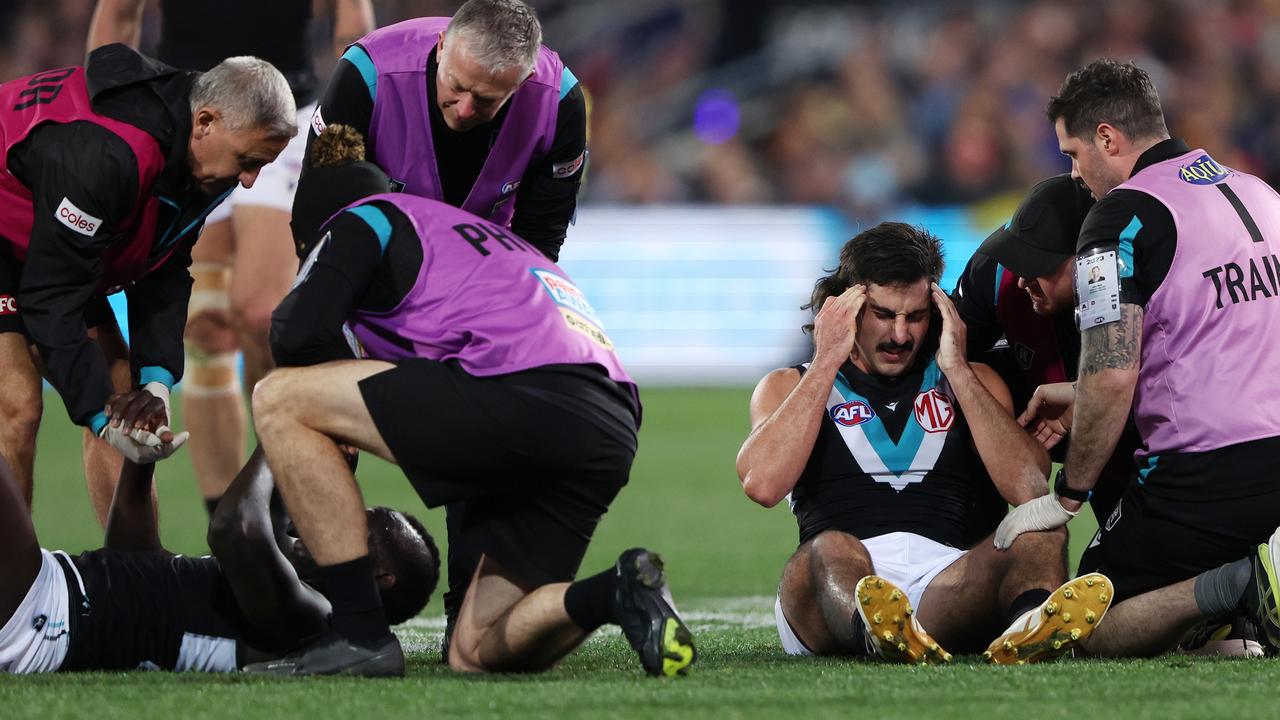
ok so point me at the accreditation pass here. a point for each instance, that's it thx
(1097, 289)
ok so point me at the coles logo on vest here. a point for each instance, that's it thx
(934, 411)
(76, 219)
(1203, 171)
(852, 414)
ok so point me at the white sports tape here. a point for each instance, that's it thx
(211, 375)
(209, 289)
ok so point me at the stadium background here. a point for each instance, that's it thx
(734, 145)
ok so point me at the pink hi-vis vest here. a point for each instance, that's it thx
(1211, 331)
(60, 96)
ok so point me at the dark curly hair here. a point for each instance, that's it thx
(890, 253)
(412, 557)
(1106, 91)
(338, 145)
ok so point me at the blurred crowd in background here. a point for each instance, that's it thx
(864, 106)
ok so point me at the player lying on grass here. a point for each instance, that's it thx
(486, 376)
(133, 604)
(883, 445)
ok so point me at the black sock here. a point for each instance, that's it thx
(357, 607)
(1221, 589)
(211, 504)
(1026, 601)
(590, 602)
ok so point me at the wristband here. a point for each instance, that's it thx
(1061, 489)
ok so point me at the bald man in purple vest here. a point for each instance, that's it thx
(1177, 285)
(486, 375)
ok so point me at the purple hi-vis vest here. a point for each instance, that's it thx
(400, 131)
(1211, 331)
(484, 298)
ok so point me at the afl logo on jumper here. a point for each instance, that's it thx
(934, 411)
(852, 414)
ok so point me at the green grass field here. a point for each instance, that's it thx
(724, 555)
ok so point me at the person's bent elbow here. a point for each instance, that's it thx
(760, 491)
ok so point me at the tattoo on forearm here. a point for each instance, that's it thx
(1116, 345)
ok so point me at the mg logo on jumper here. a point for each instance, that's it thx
(852, 413)
(934, 411)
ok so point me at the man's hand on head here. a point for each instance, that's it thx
(951, 341)
(836, 326)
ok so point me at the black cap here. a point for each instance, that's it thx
(323, 191)
(1044, 228)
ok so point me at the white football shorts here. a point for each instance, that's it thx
(905, 559)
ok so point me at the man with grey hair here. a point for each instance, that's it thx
(475, 112)
(506, 131)
(243, 264)
(106, 176)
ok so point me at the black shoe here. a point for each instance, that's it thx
(333, 654)
(642, 606)
(1263, 593)
(1228, 636)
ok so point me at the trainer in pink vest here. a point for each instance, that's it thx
(60, 96)
(1211, 331)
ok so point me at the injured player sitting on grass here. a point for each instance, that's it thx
(133, 604)
(884, 445)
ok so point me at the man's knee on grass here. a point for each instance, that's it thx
(491, 596)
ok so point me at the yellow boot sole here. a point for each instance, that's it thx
(891, 624)
(1066, 619)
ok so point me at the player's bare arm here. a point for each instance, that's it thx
(786, 408)
(267, 588)
(131, 522)
(1018, 465)
(116, 21)
(352, 20)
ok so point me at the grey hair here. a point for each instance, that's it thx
(499, 34)
(250, 93)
